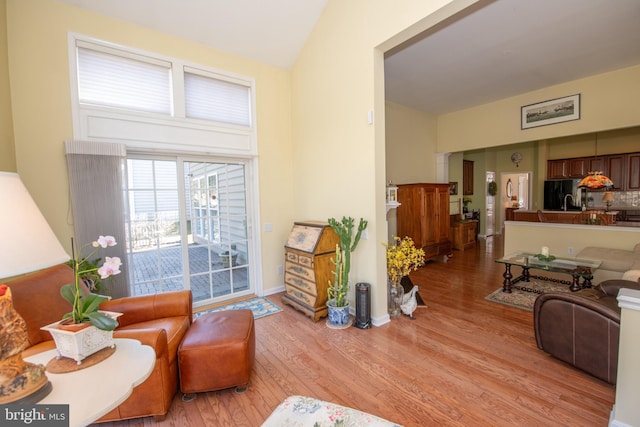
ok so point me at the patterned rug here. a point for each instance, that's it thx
(523, 294)
(260, 307)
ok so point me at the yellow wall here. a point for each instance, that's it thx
(339, 159)
(7, 152)
(626, 410)
(410, 145)
(607, 102)
(410, 137)
(610, 142)
(42, 120)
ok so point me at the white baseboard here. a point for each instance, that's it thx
(274, 290)
(615, 423)
(381, 320)
(375, 321)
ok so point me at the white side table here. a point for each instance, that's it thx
(94, 391)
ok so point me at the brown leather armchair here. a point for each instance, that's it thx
(582, 328)
(159, 321)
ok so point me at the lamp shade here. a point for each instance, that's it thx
(607, 197)
(595, 180)
(27, 243)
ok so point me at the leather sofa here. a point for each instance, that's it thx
(159, 321)
(582, 328)
(616, 263)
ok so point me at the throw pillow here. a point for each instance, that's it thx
(633, 275)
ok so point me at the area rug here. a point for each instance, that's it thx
(302, 411)
(260, 307)
(523, 294)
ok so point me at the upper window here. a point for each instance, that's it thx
(113, 78)
(208, 98)
(117, 78)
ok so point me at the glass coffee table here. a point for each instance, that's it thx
(577, 268)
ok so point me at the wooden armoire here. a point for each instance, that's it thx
(423, 215)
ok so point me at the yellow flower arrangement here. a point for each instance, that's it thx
(402, 258)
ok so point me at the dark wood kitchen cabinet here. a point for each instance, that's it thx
(622, 169)
(467, 178)
(632, 181)
(557, 169)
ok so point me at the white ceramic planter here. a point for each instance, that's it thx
(80, 344)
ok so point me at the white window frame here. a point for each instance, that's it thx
(153, 132)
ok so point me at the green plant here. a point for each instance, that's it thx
(85, 304)
(340, 287)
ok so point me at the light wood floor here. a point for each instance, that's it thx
(464, 361)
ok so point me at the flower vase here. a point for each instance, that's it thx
(394, 298)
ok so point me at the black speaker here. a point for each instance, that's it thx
(363, 306)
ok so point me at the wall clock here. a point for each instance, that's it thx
(516, 158)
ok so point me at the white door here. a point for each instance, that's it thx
(187, 228)
(490, 206)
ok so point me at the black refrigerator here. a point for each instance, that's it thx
(555, 191)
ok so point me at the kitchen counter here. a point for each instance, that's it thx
(563, 217)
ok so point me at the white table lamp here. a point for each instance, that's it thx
(27, 244)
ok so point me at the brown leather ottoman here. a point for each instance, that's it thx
(217, 352)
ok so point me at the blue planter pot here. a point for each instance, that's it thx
(337, 316)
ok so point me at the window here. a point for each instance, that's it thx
(208, 98)
(111, 78)
(115, 77)
(205, 207)
(190, 141)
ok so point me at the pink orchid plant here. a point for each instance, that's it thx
(85, 304)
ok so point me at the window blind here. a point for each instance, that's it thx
(208, 98)
(108, 79)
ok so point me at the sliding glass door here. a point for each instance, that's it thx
(187, 228)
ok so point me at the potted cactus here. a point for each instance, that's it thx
(338, 304)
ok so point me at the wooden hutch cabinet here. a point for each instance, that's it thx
(423, 215)
(308, 267)
(463, 234)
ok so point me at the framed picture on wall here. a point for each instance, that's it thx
(550, 112)
(453, 188)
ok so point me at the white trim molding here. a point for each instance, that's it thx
(629, 298)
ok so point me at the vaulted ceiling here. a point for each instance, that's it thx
(492, 50)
